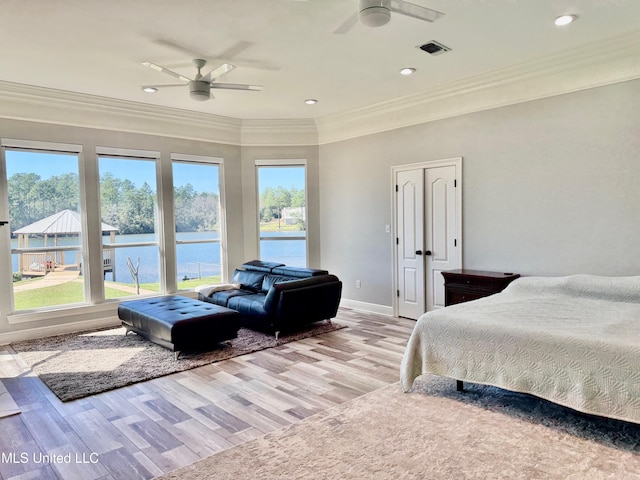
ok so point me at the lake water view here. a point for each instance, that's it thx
(194, 260)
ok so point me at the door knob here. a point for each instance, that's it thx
(418, 252)
(428, 252)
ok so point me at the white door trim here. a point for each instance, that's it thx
(455, 161)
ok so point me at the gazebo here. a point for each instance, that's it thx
(40, 260)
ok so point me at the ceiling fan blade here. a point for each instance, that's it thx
(159, 68)
(218, 72)
(236, 86)
(415, 11)
(347, 24)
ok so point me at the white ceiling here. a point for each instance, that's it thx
(96, 47)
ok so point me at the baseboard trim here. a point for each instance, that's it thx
(61, 329)
(112, 321)
(367, 307)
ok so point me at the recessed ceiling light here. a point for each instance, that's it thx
(149, 89)
(311, 101)
(407, 71)
(564, 20)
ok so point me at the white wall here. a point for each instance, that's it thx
(550, 188)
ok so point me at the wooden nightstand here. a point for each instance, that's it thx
(465, 285)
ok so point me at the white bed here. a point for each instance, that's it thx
(572, 340)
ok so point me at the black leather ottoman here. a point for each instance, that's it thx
(179, 323)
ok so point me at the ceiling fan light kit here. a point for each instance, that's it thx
(199, 90)
(374, 15)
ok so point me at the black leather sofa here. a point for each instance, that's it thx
(274, 298)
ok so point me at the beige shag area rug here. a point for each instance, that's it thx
(435, 433)
(80, 364)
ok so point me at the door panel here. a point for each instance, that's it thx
(410, 285)
(410, 231)
(441, 225)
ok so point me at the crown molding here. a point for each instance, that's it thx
(590, 66)
(39, 104)
(301, 132)
(31, 103)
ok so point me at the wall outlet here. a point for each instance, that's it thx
(358, 284)
(387, 228)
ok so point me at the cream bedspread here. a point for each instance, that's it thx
(572, 340)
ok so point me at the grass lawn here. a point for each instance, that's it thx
(69, 292)
(73, 292)
(272, 226)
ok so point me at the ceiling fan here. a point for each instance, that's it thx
(375, 13)
(200, 86)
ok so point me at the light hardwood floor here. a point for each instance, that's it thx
(151, 428)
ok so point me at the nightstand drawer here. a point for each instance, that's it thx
(453, 297)
(466, 285)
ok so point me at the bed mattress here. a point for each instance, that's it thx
(572, 340)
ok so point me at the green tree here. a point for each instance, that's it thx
(298, 198)
(67, 192)
(20, 186)
(273, 200)
(206, 208)
(136, 213)
(185, 217)
(43, 194)
(110, 191)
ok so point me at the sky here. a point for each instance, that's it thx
(285, 176)
(49, 164)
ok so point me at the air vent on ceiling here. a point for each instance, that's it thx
(434, 48)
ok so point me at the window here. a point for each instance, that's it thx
(46, 227)
(49, 199)
(198, 221)
(128, 204)
(282, 211)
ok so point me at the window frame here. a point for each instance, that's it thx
(201, 160)
(6, 277)
(282, 163)
(160, 243)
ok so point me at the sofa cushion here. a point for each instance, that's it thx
(318, 294)
(298, 271)
(261, 266)
(222, 298)
(249, 305)
(248, 280)
(269, 280)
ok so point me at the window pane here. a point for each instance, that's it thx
(123, 282)
(193, 266)
(282, 211)
(289, 252)
(128, 206)
(197, 218)
(46, 236)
